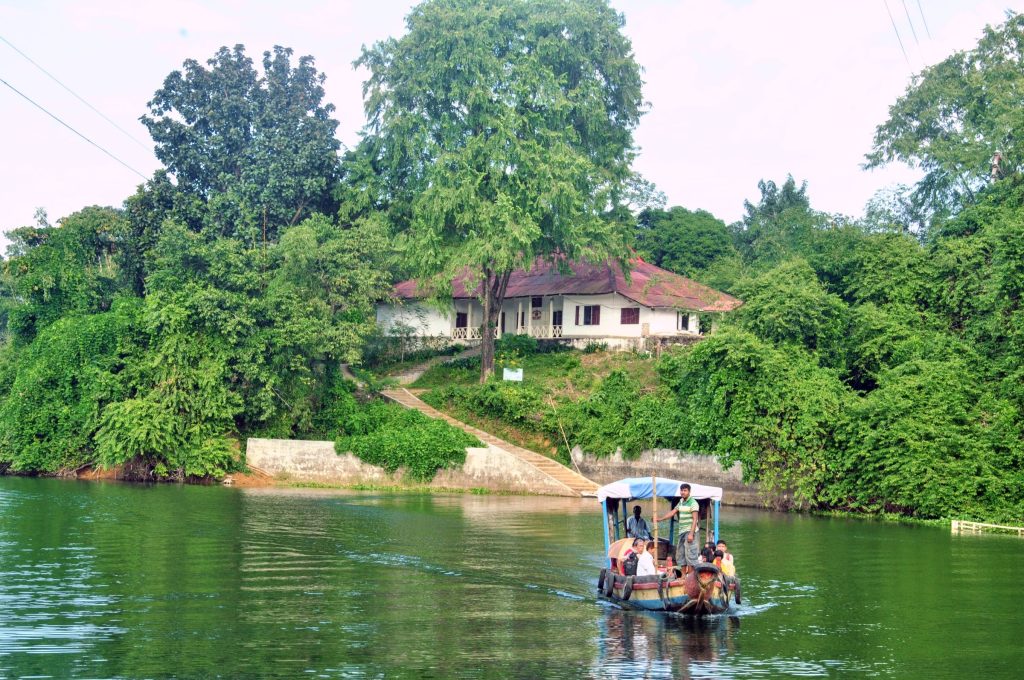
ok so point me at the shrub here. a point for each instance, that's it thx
(512, 402)
(521, 345)
(594, 347)
(619, 415)
(394, 437)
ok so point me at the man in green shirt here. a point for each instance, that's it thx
(687, 547)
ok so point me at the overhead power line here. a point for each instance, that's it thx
(923, 20)
(75, 94)
(911, 22)
(38, 106)
(898, 38)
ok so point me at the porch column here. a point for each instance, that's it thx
(469, 319)
(529, 318)
(519, 316)
(551, 316)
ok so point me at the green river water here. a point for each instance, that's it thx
(105, 580)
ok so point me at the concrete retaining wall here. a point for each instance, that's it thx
(673, 464)
(488, 468)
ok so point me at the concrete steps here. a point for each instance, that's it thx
(576, 482)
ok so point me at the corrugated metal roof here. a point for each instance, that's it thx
(649, 285)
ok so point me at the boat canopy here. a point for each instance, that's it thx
(640, 487)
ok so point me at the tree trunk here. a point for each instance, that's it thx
(493, 296)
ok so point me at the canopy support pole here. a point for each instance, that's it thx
(607, 546)
(654, 518)
(716, 520)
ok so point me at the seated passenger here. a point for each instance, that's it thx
(630, 558)
(645, 565)
(724, 559)
(707, 553)
(636, 526)
(726, 555)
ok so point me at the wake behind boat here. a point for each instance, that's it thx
(694, 589)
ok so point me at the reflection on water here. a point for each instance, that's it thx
(652, 645)
(109, 580)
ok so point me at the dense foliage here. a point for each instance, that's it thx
(214, 306)
(394, 438)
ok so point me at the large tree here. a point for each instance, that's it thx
(955, 115)
(502, 132)
(259, 149)
(682, 240)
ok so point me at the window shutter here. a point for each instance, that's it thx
(577, 315)
(596, 318)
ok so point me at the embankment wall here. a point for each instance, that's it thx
(489, 467)
(673, 464)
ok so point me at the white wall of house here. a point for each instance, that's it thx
(427, 320)
(522, 317)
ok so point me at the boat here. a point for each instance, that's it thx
(704, 591)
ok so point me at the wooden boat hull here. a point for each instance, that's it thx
(700, 593)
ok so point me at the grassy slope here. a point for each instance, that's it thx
(571, 375)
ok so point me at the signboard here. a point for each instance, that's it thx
(512, 374)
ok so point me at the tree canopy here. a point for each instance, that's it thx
(501, 131)
(956, 115)
(260, 148)
(682, 241)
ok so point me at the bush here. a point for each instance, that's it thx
(593, 347)
(773, 410)
(394, 437)
(933, 424)
(511, 402)
(619, 415)
(521, 345)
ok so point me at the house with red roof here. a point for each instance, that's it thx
(586, 303)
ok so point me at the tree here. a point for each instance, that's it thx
(62, 270)
(773, 410)
(788, 306)
(956, 115)
(681, 240)
(259, 149)
(782, 222)
(502, 131)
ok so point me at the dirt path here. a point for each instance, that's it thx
(552, 468)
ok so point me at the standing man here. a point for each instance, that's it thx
(636, 526)
(687, 550)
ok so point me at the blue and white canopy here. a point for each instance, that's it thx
(640, 487)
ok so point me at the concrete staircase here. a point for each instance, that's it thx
(576, 482)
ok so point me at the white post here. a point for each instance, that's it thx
(529, 318)
(551, 316)
(469, 317)
(519, 317)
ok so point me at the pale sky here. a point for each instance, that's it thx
(739, 90)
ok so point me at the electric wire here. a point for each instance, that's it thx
(40, 107)
(923, 20)
(898, 38)
(75, 94)
(911, 22)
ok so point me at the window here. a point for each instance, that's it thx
(503, 322)
(461, 319)
(629, 316)
(591, 315)
(537, 302)
(522, 320)
(682, 321)
(556, 318)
